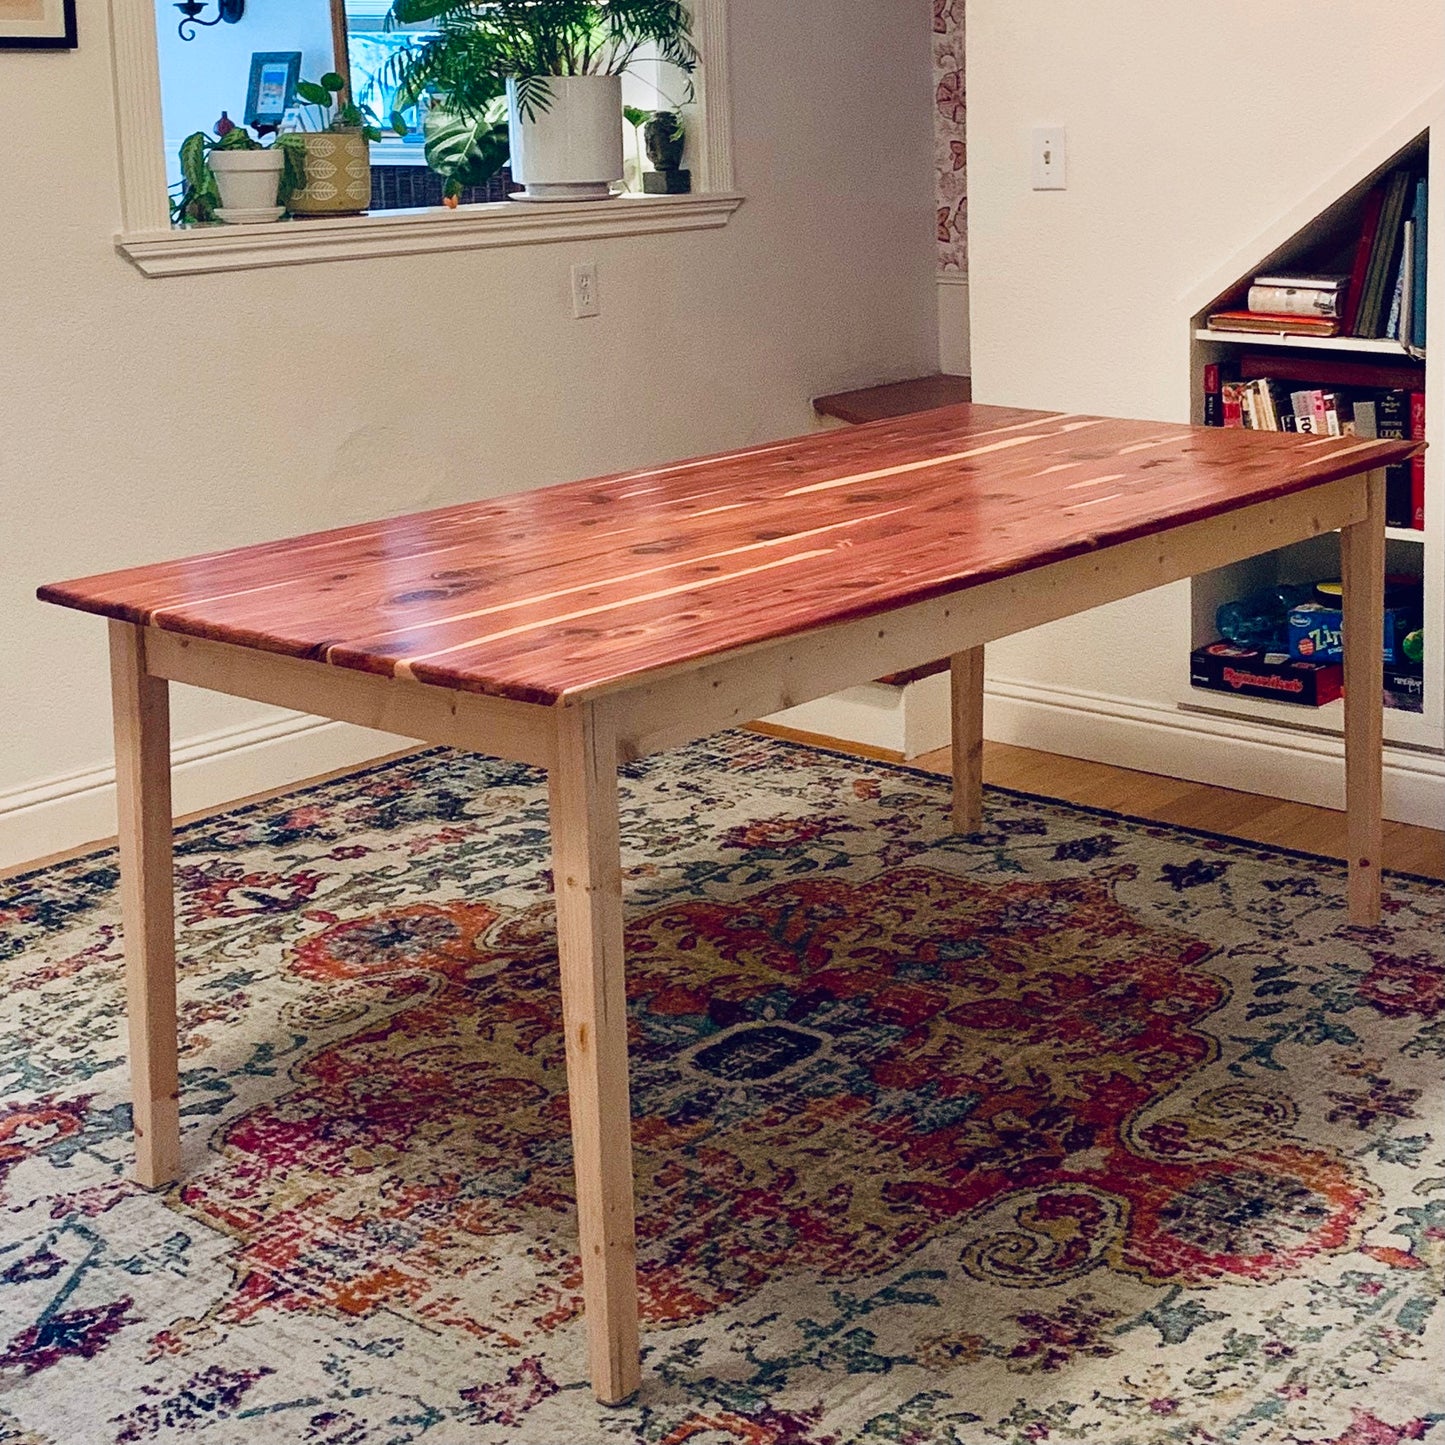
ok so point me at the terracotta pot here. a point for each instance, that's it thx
(572, 150)
(338, 175)
(247, 180)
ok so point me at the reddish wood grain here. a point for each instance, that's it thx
(557, 593)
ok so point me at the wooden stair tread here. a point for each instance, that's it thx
(896, 398)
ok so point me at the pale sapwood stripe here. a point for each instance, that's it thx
(427, 526)
(1146, 446)
(160, 612)
(706, 461)
(404, 667)
(597, 584)
(546, 560)
(1092, 502)
(919, 466)
(1095, 481)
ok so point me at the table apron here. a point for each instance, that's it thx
(517, 731)
(703, 698)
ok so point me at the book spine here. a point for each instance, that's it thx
(1417, 463)
(1369, 223)
(1294, 301)
(1213, 399)
(1230, 403)
(1392, 423)
(1416, 337)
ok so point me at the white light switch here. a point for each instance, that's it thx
(1050, 168)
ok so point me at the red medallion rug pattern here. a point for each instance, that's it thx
(1078, 1129)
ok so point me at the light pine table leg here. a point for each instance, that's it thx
(1362, 572)
(587, 869)
(965, 675)
(143, 801)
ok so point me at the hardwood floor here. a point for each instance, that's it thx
(1408, 849)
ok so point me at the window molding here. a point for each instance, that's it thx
(156, 248)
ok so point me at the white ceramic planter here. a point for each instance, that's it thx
(572, 151)
(249, 181)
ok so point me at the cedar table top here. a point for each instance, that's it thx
(561, 592)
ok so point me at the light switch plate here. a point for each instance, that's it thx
(1050, 159)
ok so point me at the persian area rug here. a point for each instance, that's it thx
(1082, 1129)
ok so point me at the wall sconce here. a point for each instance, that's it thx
(228, 10)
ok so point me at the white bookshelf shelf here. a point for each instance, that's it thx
(1405, 534)
(1345, 345)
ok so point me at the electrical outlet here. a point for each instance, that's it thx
(1050, 159)
(584, 290)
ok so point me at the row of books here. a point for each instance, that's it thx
(1268, 403)
(1381, 296)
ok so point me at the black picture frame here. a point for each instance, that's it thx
(64, 37)
(264, 67)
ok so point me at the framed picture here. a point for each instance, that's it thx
(37, 25)
(273, 85)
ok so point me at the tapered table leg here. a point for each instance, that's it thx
(587, 871)
(141, 706)
(965, 675)
(1362, 573)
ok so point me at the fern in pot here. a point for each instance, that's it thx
(562, 63)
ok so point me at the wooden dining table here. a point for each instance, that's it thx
(584, 625)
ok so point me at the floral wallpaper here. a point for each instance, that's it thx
(948, 133)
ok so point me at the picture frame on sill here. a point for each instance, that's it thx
(272, 90)
(37, 25)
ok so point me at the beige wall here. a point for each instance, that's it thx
(142, 419)
(1191, 127)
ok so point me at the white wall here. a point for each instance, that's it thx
(200, 78)
(142, 419)
(1189, 131)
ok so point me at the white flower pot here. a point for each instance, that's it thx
(572, 151)
(248, 181)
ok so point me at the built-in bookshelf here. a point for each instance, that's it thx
(1318, 237)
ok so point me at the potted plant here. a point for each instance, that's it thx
(562, 62)
(467, 147)
(335, 147)
(234, 177)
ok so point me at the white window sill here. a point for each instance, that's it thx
(408, 233)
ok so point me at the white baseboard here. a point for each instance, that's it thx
(1228, 752)
(218, 768)
(207, 772)
(953, 325)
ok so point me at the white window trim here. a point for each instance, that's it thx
(148, 239)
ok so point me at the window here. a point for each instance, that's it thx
(167, 88)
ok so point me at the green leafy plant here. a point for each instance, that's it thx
(479, 44)
(328, 107)
(466, 150)
(197, 196)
